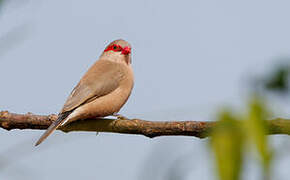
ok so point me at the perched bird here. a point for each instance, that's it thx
(102, 91)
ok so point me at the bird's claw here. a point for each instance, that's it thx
(120, 117)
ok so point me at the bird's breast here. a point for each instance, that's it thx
(110, 103)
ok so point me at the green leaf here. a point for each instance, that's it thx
(227, 145)
(256, 129)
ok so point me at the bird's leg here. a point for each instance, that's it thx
(119, 116)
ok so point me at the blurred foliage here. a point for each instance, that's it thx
(227, 143)
(1, 4)
(233, 133)
(277, 80)
(256, 130)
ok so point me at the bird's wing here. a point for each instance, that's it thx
(101, 79)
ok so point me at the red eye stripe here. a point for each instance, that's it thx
(114, 47)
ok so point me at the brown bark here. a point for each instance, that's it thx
(150, 129)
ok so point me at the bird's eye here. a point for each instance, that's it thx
(115, 47)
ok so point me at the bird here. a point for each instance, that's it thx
(103, 89)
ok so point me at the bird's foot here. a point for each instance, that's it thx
(119, 116)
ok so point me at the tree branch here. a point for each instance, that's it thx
(150, 129)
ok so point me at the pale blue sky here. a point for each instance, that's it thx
(190, 58)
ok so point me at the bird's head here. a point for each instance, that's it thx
(119, 51)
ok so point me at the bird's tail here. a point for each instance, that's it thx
(61, 118)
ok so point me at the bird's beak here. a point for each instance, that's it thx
(126, 50)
